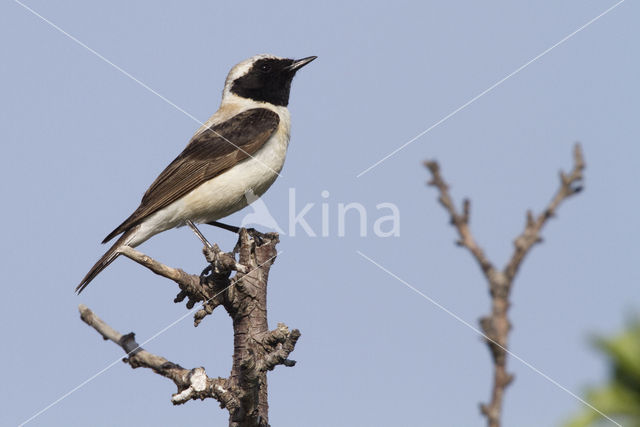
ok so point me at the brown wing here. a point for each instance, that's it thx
(207, 155)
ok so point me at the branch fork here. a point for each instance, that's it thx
(256, 348)
(496, 326)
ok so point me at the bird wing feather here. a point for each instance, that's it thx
(208, 154)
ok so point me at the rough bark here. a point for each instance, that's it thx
(496, 325)
(244, 296)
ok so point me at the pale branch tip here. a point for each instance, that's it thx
(496, 326)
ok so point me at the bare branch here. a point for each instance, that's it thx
(459, 221)
(180, 277)
(256, 349)
(496, 326)
(569, 185)
(191, 383)
(280, 343)
(207, 289)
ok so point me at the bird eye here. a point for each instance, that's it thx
(265, 68)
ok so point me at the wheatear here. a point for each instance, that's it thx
(240, 149)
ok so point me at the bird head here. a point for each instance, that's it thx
(264, 78)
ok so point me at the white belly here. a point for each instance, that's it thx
(224, 194)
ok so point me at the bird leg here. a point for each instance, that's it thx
(220, 263)
(203, 239)
(208, 248)
(224, 226)
(255, 234)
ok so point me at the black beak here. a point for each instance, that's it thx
(299, 63)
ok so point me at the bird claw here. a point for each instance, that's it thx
(257, 236)
(206, 273)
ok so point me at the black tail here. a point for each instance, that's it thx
(103, 262)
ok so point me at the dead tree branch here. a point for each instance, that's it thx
(191, 383)
(244, 296)
(496, 325)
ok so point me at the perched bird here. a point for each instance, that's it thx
(240, 149)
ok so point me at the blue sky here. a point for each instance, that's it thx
(82, 141)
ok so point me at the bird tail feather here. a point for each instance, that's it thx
(105, 260)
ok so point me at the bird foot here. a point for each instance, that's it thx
(257, 236)
(206, 274)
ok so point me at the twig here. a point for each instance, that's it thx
(569, 185)
(210, 290)
(180, 277)
(191, 383)
(496, 326)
